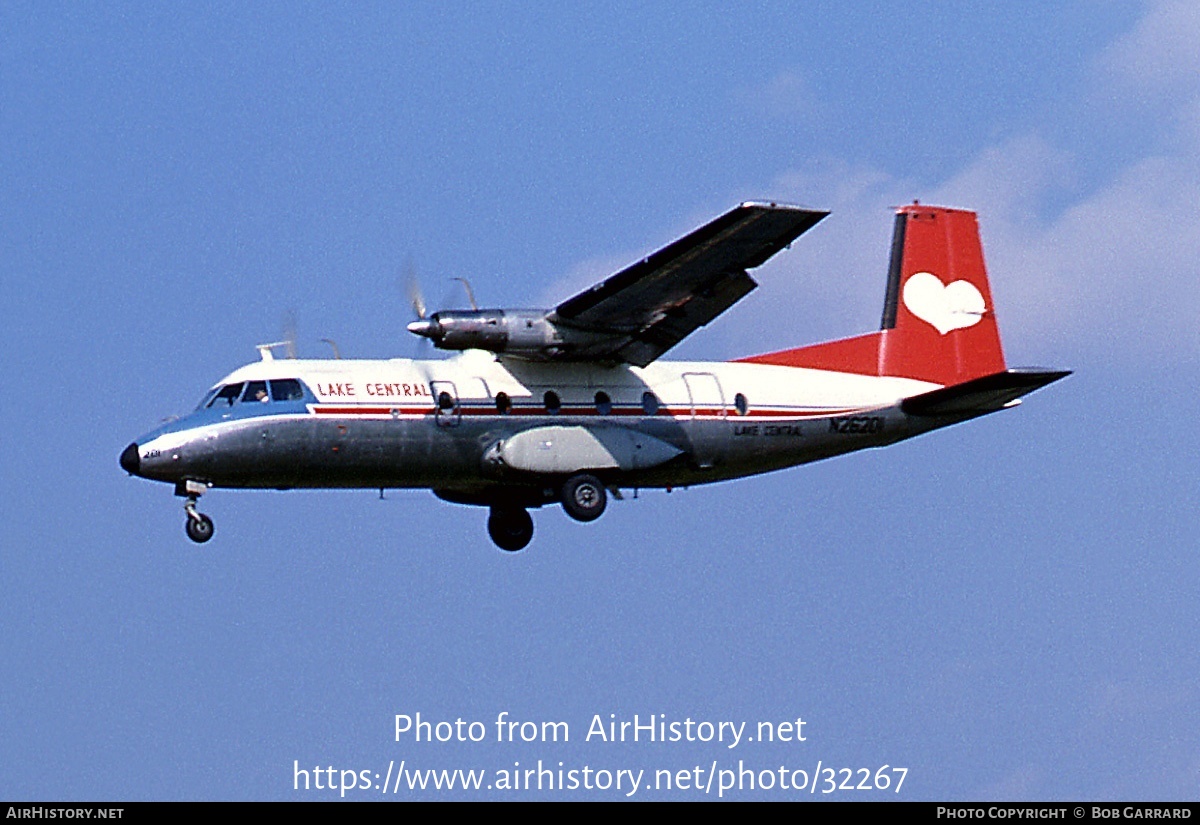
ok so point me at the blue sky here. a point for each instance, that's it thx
(1006, 608)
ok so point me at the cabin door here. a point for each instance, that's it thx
(709, 418)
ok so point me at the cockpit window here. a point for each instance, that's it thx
(287, 389)
(208, 398)
(228, 394)
(256, 391)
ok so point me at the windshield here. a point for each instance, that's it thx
(207, 399)
(259, 392)
(227, 395)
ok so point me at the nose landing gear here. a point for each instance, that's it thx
(199, 527)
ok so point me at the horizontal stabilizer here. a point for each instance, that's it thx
(981, 395)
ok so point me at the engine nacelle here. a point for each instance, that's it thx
(527, 333)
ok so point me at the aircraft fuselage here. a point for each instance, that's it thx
(404, 423)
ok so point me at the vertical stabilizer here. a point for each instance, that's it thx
(939, 324)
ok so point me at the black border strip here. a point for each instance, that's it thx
(892, 298)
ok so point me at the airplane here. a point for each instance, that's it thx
(572, 404)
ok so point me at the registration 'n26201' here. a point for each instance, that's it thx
(860, 424)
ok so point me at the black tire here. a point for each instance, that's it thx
(510, 528)
(199, 530)
(584, 497)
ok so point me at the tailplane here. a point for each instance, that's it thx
(981, 395)
(938, 325)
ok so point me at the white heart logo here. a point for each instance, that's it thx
(945, 307)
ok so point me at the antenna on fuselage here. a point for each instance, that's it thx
(267, 351)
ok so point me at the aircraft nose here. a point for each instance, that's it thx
(131, 462)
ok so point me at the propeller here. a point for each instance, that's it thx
(289, 333)
(287, 342)
(470, 292)
(429, 326)
(415, 297)
(416, 300)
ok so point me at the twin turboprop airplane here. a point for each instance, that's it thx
(566, 405)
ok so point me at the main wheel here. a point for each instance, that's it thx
(510, 528)
(199, 530)
(584, 497)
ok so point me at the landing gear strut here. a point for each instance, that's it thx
(584, 497)
(199, 527)
(511, 528)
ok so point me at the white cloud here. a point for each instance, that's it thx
(585, 274)
(1008, 178)
(788, 94)
(1114, 272)
(1111, 273)
(1160, 55)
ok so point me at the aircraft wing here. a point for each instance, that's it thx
(645, 309)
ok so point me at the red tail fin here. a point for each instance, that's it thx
(938, 321)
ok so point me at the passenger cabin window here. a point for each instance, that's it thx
(445, 401)
(287, 389)
(649, 403)
(503, 403)
(552, 402)
(228, 394)
(603, 403)
(742, 405)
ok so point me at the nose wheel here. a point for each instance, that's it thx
(199, 527)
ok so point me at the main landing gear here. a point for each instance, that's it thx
(510, 527)
(199, 527)
(583, 497)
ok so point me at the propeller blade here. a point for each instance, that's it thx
(415, 298)
(289, 333)
(470, 292)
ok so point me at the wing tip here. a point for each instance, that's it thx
(780, 206)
